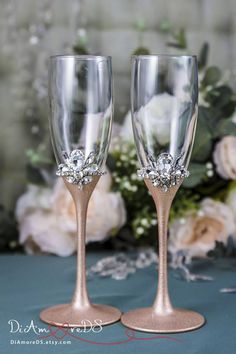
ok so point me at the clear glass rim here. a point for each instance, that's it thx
(147, 56)
(80, 57)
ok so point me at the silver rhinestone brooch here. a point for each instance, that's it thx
(164, 172)
(78, 170)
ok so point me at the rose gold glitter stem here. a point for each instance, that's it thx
(81, 199)
(161, 317)
(163, 201)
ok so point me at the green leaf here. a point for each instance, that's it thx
(197, 175)
(34, 175)
(223, 250)
(141, 25)
(9, 235)
(212, 76)
(203, 56)
(174, 45)
(37, 157)
(111, 162)
(80, 49)
(203, 140)
(180, 39)
(225, 127)
(220, 96)
(141, 51)
(206, 115)
(218, 251)
(165, 26)
(229, 109)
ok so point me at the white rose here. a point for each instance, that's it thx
(197, 232)
(159, 111)
(225, 157)
(47, 217)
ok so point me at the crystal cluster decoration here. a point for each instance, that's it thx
(180, 262)
(228, 290)
(164, 172)
(121, 265)
(77, 169)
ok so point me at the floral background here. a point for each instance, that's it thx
(37, 213)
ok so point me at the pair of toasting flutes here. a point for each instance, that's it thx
(164, 95)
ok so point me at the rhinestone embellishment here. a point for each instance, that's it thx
(78, 170)
(164, 172)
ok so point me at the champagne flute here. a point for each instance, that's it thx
(80, 92)
(164, 104)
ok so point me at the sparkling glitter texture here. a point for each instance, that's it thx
(164, 172)
(78, 170)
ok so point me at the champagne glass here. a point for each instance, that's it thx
(80, 93)
(164, 104)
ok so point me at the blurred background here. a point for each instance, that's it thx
(31, 31)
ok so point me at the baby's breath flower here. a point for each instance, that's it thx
(209, 165)
(134, 188)
(210, 173)
(132, 153)
(140, 230)
(126, 185)
(123, 158)
(133, 162)
(144, 222)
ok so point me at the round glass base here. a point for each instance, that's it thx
(148, 320)
(67, 315)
